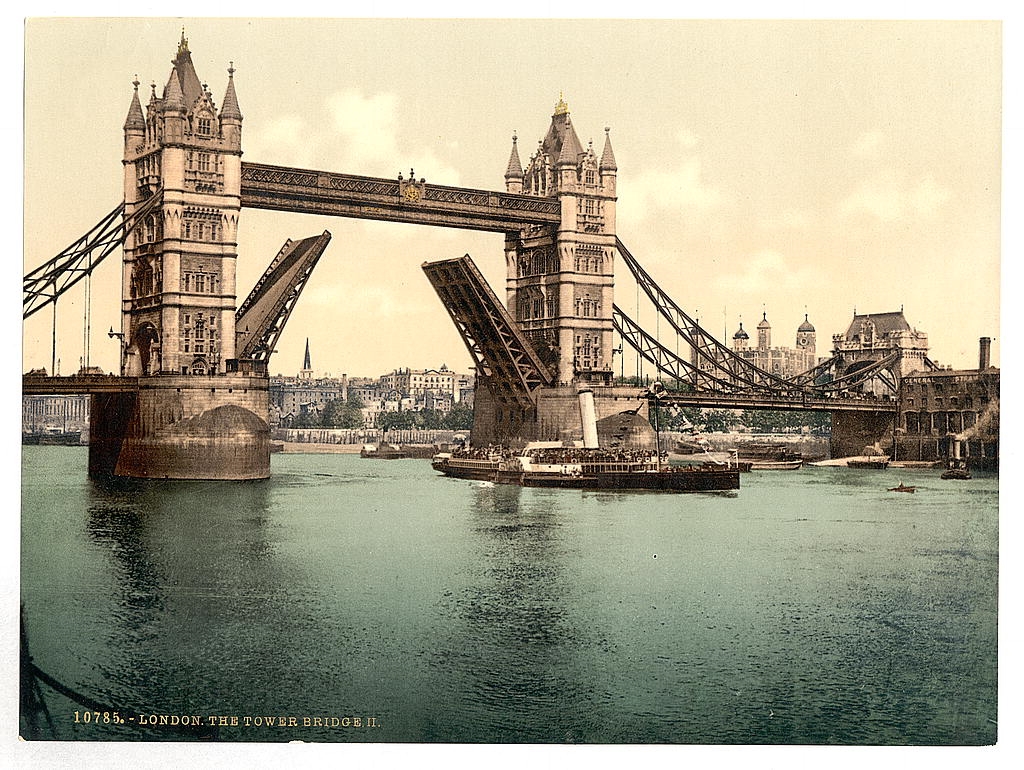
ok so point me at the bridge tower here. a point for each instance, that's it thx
(178, 282)
(199, 412)
(559, 296)
(560, 281)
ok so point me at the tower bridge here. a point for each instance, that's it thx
(191, 398)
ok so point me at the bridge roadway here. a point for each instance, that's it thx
(307, 191)
(793, 403)
(33, 385)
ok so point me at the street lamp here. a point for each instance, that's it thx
(120, 336)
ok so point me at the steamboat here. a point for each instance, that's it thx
(584, 465)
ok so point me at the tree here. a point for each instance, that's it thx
(460, 417)
(396, 421)
(340, 413)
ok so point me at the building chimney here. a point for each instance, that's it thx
(984, 353)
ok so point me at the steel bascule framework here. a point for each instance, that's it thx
(504, 358)
(261, 318)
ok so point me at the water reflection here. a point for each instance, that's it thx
(513, 645)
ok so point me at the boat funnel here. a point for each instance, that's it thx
(588, 416)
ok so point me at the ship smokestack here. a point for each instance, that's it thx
(588, 415)
(984, 352)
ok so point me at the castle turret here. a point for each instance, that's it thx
(764, 333)
(740, 340)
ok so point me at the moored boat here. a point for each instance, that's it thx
(870, 463)
(383, 451)
(774, 465)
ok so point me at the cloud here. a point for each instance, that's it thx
(888, 198)
(360, 134)
(768, 270)
(673, 191)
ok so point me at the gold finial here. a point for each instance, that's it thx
(561, 108)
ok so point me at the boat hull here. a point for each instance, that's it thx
(667, 480)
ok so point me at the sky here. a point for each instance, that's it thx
(764, 167)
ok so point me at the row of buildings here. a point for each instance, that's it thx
(405, 389)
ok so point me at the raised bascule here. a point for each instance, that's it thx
(191, 400)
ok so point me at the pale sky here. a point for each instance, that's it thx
(779, 167)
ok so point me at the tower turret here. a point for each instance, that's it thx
(135, 123)
(230, 114)
(740, 340)
(514, 172)
(764, 333)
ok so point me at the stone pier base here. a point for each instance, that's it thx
(178, 427)
(557, 418)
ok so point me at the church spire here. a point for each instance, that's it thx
(306, 364)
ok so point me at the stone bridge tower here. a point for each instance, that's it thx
(560, 282)
(178, 282)
(195, 415)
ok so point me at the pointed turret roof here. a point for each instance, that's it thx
(608, 157)
(806, 326)
(764, 321)
(306, 364)
(135, 117)
(561, 141)
(515, 168)
(230, 108)
(741, 334)
(173, 97)
(188, 80)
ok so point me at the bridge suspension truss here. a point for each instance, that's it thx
(715, 368)
(45, 284)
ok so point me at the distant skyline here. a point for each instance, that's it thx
(779, 167)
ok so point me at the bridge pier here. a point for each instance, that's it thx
(556, 417)
(854, 430)
(183, 427)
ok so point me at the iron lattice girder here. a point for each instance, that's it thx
(261, 318)
(503, 356)
(776, 402)
(665, 360)
(44, 284)
(711, 354)
(393, 200)
(882, 368)
(677, 368)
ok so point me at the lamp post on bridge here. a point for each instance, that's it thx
(120, 337)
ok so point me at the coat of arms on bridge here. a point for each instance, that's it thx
(409, 189)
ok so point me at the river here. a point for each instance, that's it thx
(347, 599)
